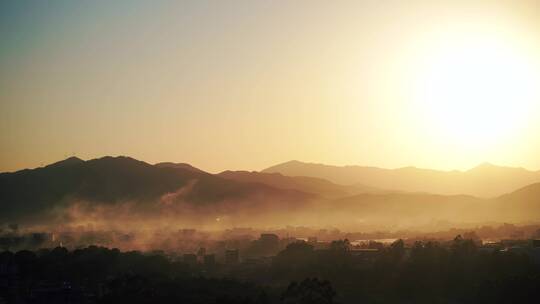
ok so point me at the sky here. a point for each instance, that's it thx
(249, 84)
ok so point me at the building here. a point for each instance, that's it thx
(232, 257)
(364, 254)
(269, 238)
(200, 254)
(190, 258)
(268, 244)
(209, 260)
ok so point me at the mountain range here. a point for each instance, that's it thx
(485, 180)
(114, 180)
(318, 186)
(300, 193)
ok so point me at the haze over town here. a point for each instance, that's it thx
(265, 152)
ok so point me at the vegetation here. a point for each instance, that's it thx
(429, 272)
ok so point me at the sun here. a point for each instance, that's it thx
(477, 91)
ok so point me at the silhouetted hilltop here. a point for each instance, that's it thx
(485, 180)
(179, 166)
(111, 180)
(67, 162)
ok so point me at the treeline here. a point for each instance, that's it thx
(429, 272)
(110, 276)
(458, 272)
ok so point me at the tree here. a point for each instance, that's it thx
(397, 250)
(297, 261)
(340, 245)
(463, 247)
(309, 291)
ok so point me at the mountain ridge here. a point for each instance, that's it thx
(484, 180)
(313, 185)
(113, 180)
(181, 190)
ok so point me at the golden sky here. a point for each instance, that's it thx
(248, 84)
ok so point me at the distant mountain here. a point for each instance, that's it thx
(114, 180)
(313, 185)
(407, 209)
(527, 193)
(111, 189)
(486, 180)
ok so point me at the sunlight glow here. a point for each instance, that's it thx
(478, 91)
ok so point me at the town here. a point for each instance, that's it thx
(78, 266)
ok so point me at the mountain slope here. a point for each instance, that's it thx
(410, 209)
(407, 209)
(485, 180)
(313, 185)
(520, 205)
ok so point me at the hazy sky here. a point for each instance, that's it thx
(248, 84)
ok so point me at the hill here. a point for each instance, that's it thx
(522, 204)
(424, 209)
(179, 166)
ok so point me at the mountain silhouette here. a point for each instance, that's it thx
(66, 162)
(485, 180)
(179, 166)
(111, 180)
(183, 190)
(522, 205)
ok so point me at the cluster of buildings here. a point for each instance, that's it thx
(262, 250)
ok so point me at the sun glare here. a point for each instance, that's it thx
(477, 92)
